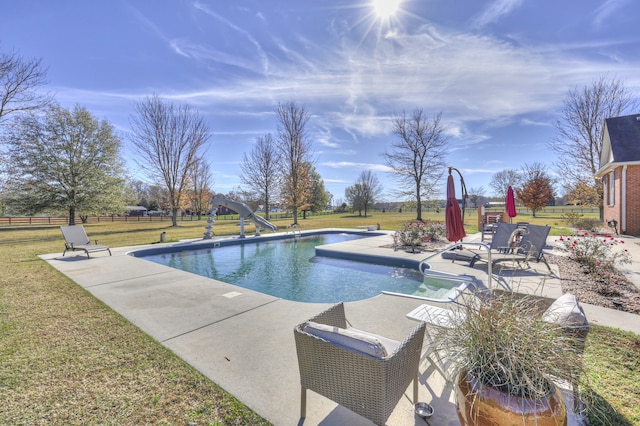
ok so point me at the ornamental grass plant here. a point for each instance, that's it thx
(502, 342)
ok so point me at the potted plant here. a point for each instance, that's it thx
(507, 361)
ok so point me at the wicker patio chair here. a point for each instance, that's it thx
(366, 384)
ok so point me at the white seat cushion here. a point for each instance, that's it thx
(566, 312)
(354, 339)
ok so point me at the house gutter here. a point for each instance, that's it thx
(610, 166)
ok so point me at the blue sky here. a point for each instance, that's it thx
(497, 70)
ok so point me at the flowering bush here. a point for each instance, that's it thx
(418, 233)
(595, 253)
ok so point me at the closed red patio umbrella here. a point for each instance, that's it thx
(511, 203)
(453, 216)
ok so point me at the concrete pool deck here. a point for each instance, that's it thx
(243, 340)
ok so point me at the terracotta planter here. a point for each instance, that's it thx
(484, 405)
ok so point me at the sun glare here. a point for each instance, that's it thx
(385, 8)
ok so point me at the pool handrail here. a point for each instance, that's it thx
(460, 243)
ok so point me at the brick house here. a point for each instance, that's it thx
(620, 172)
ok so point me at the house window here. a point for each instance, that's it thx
(611, 190)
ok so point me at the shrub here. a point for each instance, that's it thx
(595, 253)
(417, 233)
(577, 220)
(572, 218)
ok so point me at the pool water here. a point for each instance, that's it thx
(290, 269)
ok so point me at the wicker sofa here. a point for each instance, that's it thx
(367, 374)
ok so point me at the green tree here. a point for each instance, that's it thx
(168, 140)
(64, 160)
(355, 198)
(319, 197)
(417, 158)
(536, 190)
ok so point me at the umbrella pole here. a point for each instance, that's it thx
(465, 195)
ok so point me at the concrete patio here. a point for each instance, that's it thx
(243, 340)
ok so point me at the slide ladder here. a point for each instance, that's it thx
(294, 229)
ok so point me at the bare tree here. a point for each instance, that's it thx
(168, 139)
(259, 170)
(501, 181)
(363, 194)
(578, 139)
(417, 159)
(19, 80)
(476, 196)
(537, 189)
(295, 155)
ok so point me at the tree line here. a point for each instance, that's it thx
(57, 159)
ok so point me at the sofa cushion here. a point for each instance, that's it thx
(353, 339)
(566, 312)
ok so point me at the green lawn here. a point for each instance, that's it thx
(69, 359)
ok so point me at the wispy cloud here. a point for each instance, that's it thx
(606, 10)
(357, 166)
(146, 22)
(471, 78)
(496, 11)
(260, 51)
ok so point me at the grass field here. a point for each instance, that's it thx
(69, 359)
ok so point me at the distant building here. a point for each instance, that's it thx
(136, 210)
(620, 173)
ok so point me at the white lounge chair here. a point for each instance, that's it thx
(75, 238)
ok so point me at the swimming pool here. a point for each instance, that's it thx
(290, 269)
